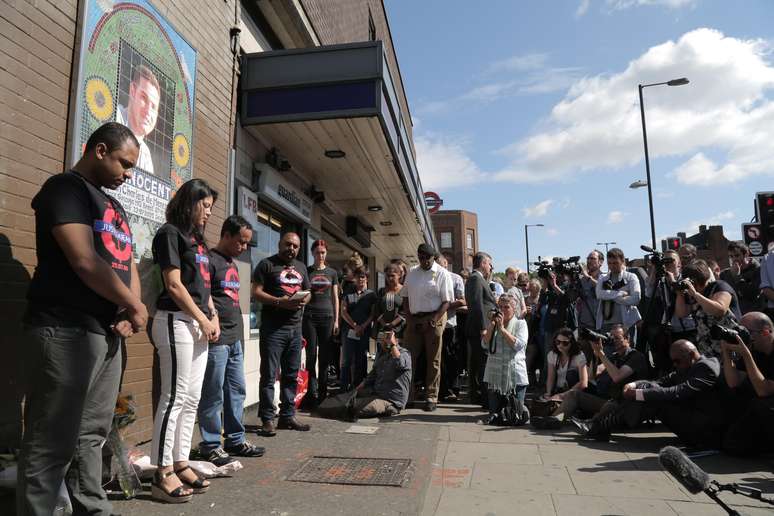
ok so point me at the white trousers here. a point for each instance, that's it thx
(182, 350)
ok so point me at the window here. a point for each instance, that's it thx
(446, 240)
(469, 239)
(267, 236)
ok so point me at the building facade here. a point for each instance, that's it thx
(347, 176)
(456, 235)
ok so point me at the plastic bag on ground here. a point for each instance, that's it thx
(210, 470)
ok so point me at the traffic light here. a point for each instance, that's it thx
(765, 208)
(671, 243)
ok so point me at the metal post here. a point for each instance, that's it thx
(647, 171)
(526, 240)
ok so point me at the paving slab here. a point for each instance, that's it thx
(628, 483)
(573, 454)
(575, 505)
(462, 453)
(514, 478)
(472, 502)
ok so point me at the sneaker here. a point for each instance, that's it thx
(268, 428)
(489, 419)
(430, 406)
(291, 423)
(246, 449)
(581, 426)
(219, 457)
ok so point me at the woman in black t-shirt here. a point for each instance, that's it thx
(388, 310)
(710, 302)
(321, 320)
(184, 322)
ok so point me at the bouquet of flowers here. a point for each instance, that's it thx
(123, 416)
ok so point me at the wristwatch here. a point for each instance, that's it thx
(213, 313)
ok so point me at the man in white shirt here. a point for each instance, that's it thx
(429, 292)
(142, 111)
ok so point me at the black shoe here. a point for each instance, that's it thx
(430, 406)
(547, 423)
(219, 457)
(489, 419)
(268, 429)
(291, 423)
(246, 449)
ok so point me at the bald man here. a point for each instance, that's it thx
(685, 401)
(281, 285)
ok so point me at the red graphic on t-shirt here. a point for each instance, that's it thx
(231, 284)
(115, 234)
(204, 264)
(290, 280)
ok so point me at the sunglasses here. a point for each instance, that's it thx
(562, 342)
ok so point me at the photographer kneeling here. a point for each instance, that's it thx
(710, 302)
(750, 375)
(506, 365)
(385, 390)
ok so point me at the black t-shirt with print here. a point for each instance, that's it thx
(225, 296)
(280, 279)
(635, 360)
(322, 282)
(57, 296)
(173, 248)
(360, 305)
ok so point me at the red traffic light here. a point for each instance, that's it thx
(769, 201)
(675, 243)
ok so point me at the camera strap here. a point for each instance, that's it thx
(493, 342)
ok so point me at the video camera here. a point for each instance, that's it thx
(718, 332)
(657, 259)
(588, 334)
(569, 266)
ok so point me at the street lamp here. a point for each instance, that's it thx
(606, 244)
(674, 82)
(526, 239)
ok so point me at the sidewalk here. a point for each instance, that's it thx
(467, 469)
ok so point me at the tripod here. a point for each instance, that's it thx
(716, 487)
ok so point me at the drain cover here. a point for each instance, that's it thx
(354, 471)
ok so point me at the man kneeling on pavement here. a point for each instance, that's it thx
(385, 390)
(686, 401)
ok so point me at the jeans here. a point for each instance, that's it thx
(450, 364)
(280, 349)
(354, 362)
(73, 379)
(317, 330)
(223, 398)
(182, 350)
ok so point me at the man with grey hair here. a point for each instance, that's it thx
(480, 301)
(750, 375)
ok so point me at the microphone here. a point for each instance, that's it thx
(648, 250)
(684, 470)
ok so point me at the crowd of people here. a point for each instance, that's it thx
(683, 342)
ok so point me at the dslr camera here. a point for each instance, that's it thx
(682, 285)
(494, 313)
(588, 334)
(718, 332)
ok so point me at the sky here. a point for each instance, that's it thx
(527, 112)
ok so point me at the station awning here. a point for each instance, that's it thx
(341, 98)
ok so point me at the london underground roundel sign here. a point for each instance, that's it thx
(433, 202)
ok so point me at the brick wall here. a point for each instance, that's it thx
(36, 47)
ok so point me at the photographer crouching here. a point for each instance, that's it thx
(750, 375)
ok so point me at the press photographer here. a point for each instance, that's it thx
(587, 303)
(749, 371)
(619, 293)
(710, 302)
(744, 275)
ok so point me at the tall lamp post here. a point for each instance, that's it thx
(526, 239)
(606, 244)
(674, 82)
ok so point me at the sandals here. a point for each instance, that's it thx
(199, 486)
(161, 494)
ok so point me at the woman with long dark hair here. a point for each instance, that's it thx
(566, 365)
(185, 321)
(321, 320)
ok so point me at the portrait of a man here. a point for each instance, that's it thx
(142, 111)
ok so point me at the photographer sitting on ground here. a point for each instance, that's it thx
(506, 364)
(744, 275)
(385, 390)
(566, 366)
(625, 365)
(619, 293)
(709, 301)
(685, 401)
(751, 379)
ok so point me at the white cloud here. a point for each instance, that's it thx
(601, 113)
(552, 231)
(538, 210)
(444, 164)
(615, 217)
(670, 4)
(583, 8)
(518, 63)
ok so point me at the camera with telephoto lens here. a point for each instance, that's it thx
(494, 313)
(588, 334)
(718, 332)
(683, 285)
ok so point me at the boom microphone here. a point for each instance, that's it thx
(648, 250)
(683, 469)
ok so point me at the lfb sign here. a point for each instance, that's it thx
(248, 205)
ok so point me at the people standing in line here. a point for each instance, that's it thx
(357, 311)
(505, 373)
(84, 298)
(221, 406)
(450, 364)
(429, 291)
(480, 301)
(185, 321)
(281, 284)
(320, 323)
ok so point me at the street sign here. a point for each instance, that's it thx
(433, 202)
(753, 239)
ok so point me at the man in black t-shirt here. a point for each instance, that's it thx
(279, 282)
(84, 297)
(223, 391)
(752, 383)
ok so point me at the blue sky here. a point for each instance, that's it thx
(527, 112)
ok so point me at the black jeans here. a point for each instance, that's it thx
(280, 349)
(73, 378)
(317, 330)
(450, 364)
(476, 363)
